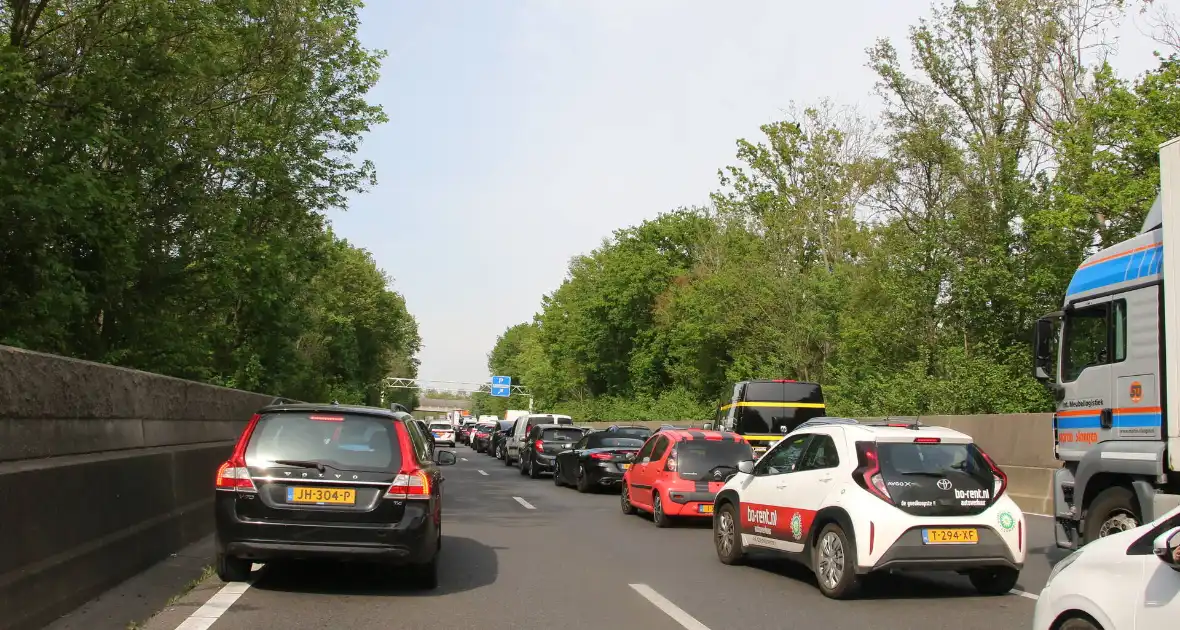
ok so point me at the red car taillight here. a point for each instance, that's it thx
(233, 474)
(868, 473)
(539, 445)
(601, 456)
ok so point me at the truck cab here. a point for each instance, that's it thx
(1108, 374)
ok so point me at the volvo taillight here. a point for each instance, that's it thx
(233, 474)
(868, 473)
(414, 484)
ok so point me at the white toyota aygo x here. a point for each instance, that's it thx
(848, 498)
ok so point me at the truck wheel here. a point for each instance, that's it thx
(1111, 512)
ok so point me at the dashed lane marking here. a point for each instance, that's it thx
(672, 610)
(526, 504)
(212, 610)
(463, 458)
(482, 473)
(1031, 596)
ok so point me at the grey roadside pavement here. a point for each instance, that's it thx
(134, 601)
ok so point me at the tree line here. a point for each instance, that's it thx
(165, 171)
(899, 260)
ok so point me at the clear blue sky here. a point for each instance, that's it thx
(523, 132)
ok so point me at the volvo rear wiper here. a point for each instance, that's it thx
(302, 463)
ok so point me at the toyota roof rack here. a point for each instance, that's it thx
(901, 423)
(824, 421)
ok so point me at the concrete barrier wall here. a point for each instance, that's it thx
(104, 471)
(1021, 444)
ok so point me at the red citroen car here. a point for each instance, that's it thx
(678, 472)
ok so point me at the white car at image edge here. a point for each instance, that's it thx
(1124, 581)
(847, 498)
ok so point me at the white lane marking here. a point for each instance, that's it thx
(526, 504)
(1026, 595)
(463, 458)
(204, 616)
(672, 610)
(482, 473)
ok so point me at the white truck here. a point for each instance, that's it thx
(1116, 377)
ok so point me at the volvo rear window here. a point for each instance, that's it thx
(700, 459)
(338, 440)
(561, 435)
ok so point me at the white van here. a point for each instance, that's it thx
(521, 429)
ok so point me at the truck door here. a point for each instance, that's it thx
(1138, 409)
(1089, 347)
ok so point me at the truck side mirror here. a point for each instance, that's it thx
(1042, 359)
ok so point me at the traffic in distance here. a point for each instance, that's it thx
(845, 500)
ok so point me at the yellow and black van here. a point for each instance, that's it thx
(764, 410)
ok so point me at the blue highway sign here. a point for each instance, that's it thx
(502, 392)
(501, 381)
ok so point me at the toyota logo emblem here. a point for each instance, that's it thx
(944, 484)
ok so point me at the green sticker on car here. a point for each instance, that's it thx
(1007, 521)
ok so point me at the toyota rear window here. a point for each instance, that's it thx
(340, 440)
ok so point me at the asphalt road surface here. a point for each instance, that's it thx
(522, 553)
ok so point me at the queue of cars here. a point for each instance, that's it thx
(842, 497)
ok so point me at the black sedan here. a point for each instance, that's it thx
(599, 459)
(496, 441)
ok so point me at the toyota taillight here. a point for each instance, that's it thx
(233, 474)
(539, 445)
(868, 472)
(414, 484)
(1001, 479)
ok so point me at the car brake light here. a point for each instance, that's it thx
(1001, 479)
(326, 418)
(868, 474)
(414, 484)
(927, 440)
(539, 445)
(671, 465)
(601, 456)
(784, 380)
(233, 474)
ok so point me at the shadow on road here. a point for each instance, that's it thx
(465, 565)
(877, 586)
